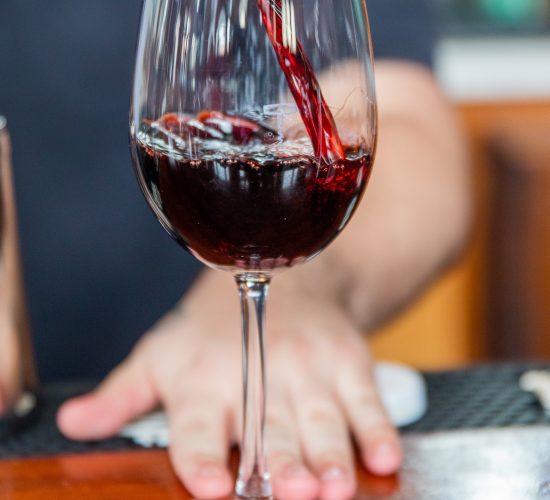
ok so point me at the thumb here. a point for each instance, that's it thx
(124, 395)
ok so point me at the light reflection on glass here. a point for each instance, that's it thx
(221, 34)
(289, 179)
(243, 13)
(289, 25)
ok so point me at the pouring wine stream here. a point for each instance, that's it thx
(278, 19)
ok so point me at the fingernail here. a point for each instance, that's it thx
(383, 451)
(210, 471)
(384, 459)
(334, 474)
(294, 471)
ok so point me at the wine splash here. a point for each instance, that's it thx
(303, 84)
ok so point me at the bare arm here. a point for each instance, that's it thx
(414, 218)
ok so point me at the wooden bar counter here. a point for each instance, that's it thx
(507, 464)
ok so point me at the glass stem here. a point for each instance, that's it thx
(253, 481)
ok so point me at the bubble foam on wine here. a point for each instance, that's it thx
(217, 144)
(215, 149)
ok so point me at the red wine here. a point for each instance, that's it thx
(239, 199)
(303, 84)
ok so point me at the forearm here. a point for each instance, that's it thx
(414, 218)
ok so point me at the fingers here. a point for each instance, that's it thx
(199, 444)
(124, 395)
(377, 438)
(291, 478)
(325, 441)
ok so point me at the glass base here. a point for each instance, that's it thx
(256, 487)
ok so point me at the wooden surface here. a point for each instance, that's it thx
(453, 323)
(511, 464)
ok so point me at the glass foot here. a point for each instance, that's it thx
(256, 487)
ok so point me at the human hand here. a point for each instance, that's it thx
(320, 388)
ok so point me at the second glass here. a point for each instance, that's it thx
(253, 130)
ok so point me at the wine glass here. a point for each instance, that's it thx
(253, 130)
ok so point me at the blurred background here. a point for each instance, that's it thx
(493, 60)
(64, 86)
